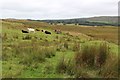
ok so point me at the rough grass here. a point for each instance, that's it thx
(104, 33)
(90, 57)
(40, 55)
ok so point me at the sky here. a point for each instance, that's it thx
(57, 9)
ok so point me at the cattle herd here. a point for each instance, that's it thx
(29, 30)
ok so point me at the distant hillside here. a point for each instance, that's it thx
(107, 19)
(93, 21)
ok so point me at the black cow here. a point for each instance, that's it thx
(42, 30)
(47, 32)
(23, 31)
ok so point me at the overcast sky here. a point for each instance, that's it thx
(57, 9)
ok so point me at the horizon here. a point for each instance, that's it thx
(58, 19)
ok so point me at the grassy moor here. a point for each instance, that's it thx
(64, 51)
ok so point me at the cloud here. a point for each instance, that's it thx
(57, 9)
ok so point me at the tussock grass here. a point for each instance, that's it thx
(90, 57)
(33, 55)
(32, 52)
(102, 54)
(111, 67)
(85, 56)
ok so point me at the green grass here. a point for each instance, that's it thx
(38, 55)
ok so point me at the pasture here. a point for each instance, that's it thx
(77, 52)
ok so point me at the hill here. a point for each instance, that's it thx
(92, 21)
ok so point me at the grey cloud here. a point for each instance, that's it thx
(56, 9)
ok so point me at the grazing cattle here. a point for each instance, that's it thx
(42, 30)
(31, 30)
(23, 31)
(57, 31)
(47, 32)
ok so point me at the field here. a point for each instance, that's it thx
(78, 52)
